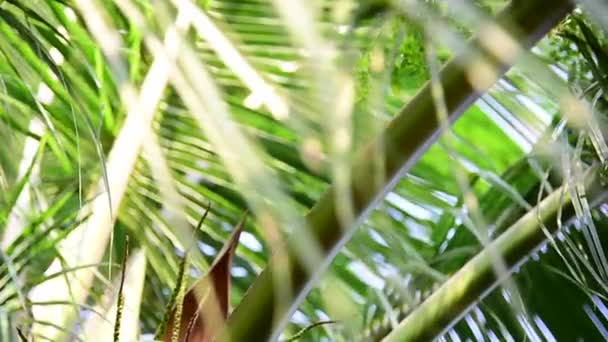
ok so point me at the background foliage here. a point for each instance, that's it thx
(261, 108)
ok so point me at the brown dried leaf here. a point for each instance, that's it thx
(203, 312)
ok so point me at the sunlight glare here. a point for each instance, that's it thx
(44, 95)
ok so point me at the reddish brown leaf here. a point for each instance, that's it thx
(199, 320)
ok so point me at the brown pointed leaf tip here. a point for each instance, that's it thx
(203, 312)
